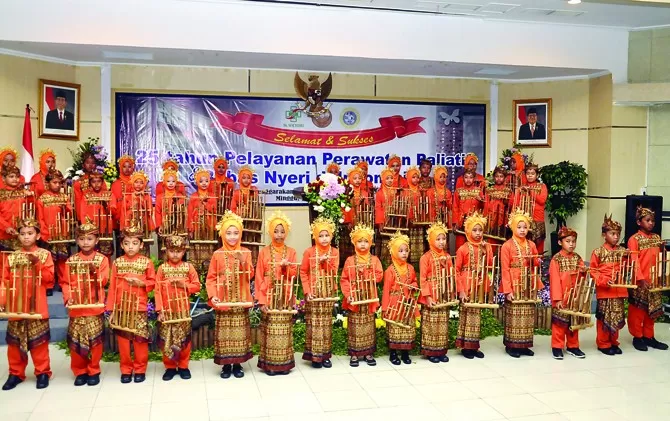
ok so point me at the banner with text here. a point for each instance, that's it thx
(288, 146)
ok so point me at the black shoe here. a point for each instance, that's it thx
(316, 365)
(370, 360)
(42, 381)
(283, 373)
(184, 373)
(576, 352)
(126, 378)
(404, 356)
(557, 353)
(479, 354)
(237, 371)
(50, 293)
(434, 359)
(169, 374)
(444, 359)
(81, 380)
(327, 364)
(467, 354)
(270, 373)
(512, 352)
(653, 343)
(353, 362)
(93, 380)
(12, 382)
(526, 351)
(394, 358)
(139, 377)
(617, 350)
(226, 371)
(638, 343)
(607, 351)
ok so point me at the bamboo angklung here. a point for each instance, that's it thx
(175, 307)
(404, 311)
(481, 279)
(252, 210)
(88, 291)
(141, 213)
(660, 272)
(421, 209)
(525, 288)
(282, 291)
(363, 289)
(324, 287)
(364, 211)
(231, 281)
(124, 314)
(577, 301)
(103, 217)
(174, 216)
(443, 282)
(224, 197)
(20, 293)
(397, 211)
(625, 274)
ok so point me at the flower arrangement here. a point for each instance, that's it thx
(329, 195)
(110, 173)
(92, 147)
(506, 159)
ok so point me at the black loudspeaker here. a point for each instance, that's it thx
(655, 203)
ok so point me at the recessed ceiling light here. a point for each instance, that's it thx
(574, 1)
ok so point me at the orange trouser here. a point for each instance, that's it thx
(182, 362)
(85, 365)
(18, 364)
(559, 334)
(639, 322)
(138, 365)
(604, 337)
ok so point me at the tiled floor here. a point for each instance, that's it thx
(634, 386)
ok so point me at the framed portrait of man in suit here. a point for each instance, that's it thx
(59, 110)
(532, 122)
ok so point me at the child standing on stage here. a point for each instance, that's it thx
(610, 312)
(497, 205)
(85, 330)
(99, 206)
(38, 182)
(398, 280)
(8, 158)
(361, 319)
(383, 201)
(395, 163)
(123, 185)
(176, 280)
(246, 189)
(14, 204)
(564, 268)
(82, 185)
(356, 178)
(516, 254)
(28, 335)
(134, 275)
(535, 193)
(439, 198)
(367, 185)
(169, 203)
(434, 321)
(469, 258)
(470, 164)
(232, 329)
(201, 219)
(467, 200)
(222, 186)
(319, 314)
(171, 165)
(416, 231)
(137, 208)
(276, 263)
(644, 306)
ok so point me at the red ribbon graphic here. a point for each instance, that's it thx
(390, 128)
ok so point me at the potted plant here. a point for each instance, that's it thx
(566, 187)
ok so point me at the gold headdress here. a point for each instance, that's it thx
(171, 164)
(566, 232)
(322, 224)
(245, 169)
(176, 242)
(278, 218)
(7, 151)
(333, 166)
(139, 175)
(88, 227)
(355, 170)
(133, 230)
(475, 219)
(642, 212)
(220, 160)
(439, 170)
(396, 240)
(170, 173)
(411, 170)
(201, 172)
(362, 165)
(28, 223)
(434, 230)
(126, 158)
(470, 156)
(44, 155)
(517, 216)
(610, 225)
(392, 158)
(386, 172)
(227, 220)
(361, 231)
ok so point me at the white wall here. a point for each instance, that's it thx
(301, 30)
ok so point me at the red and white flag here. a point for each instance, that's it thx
(27, 169)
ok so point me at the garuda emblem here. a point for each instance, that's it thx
(314, 93)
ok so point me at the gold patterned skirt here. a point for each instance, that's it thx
(400, 338)
(538, 230)
(519, 325)
(106, 247)
(361, 334)
(611, 312)
(318, 331)
(416, 243)
(651, 302)
(27, 334)
(142, 333)
(173, 338)
(232, 337)
(469, 326)
(434, 331)
(276, 342)
(199, 254)
(83, 333)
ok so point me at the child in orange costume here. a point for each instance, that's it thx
(467, 200)
(171, 165)
(245, 191)
(516, 175)
(82, 185)
(333, 168)
(398, 278)
(232, 328)
(27, 335)
(416, 232)
(518, 253)
(564, 268)
(361, 318)
(222, 186)
(644, 306)
(99, 206)
(201, 219)
(535, 194)
(470, 164)
(384, 199)
(605, 263)
(434, 321)
(425, 168)
(319, 314)
(169, 202)
(276, 261)
(439, 198)
(8, 158)
(469, 258)
(123, 185)
(176, 280)
(14, 202)
(38, 182)
(497, 204)
(85, 330)
(367, 186)
(394, 162)
(134, 275)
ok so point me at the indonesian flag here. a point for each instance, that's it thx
(27, 169)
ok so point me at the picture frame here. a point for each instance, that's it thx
(58, 114)
(532, 122)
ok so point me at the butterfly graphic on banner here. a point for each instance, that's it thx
(449, 118)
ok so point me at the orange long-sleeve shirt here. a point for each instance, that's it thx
(38, 183)
(136, 206)
(99, 208)
(170, 297)
(309, 267)
(52, 209)
(180, 188)
(468, 260)
(168, 200)
(373, 271)
(74, 283)
(647, 247)
(497, 204)
(11, 203)
(440, 203)
(240, 197)
(269, 261)
(223, 263)
(466, 201)
(563, 271)
(605, 261)
(479, 181)
(513, 257)
(429, 264)
(537, 193)
(201, 204)
(10, 272)
(392, 291)
(137, 267)
(81, 186)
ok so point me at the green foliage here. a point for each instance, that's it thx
(299, 337)
(340, 341)
(490, 326)
(566, 185)
(255, 317)
(543, 332)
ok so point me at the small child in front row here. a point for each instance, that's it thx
(85, 330)
(361, 319)
(175, 281)
(400, 338)
(564, 268)
(28, 335)
(133, 274)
